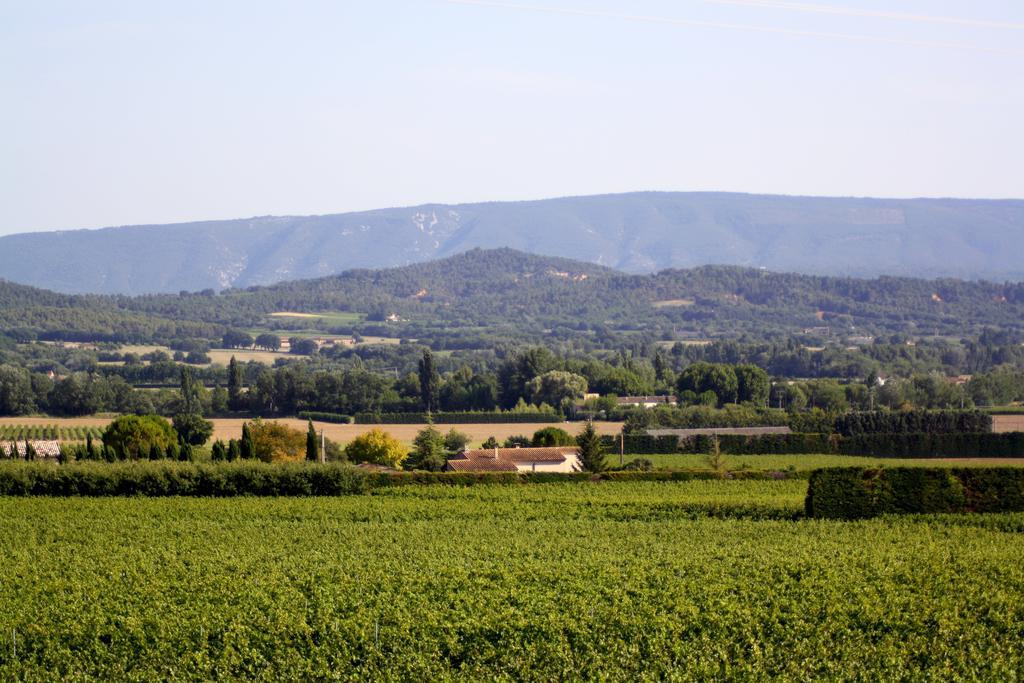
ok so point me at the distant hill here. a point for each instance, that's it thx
(637, 233)
(484, 297)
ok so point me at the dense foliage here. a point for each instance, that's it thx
(615, 581)
(856, 493)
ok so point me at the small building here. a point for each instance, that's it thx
(551, 459)
(645, 401)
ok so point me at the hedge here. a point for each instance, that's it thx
(859, 493)
(164, 478)
(457, 418)
(1004, 445)
(913, 422)
(936, 445)
(326, 417)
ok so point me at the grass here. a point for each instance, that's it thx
(611, 581)
(807, 462)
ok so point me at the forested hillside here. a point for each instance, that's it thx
(638, 232)
(483, 296)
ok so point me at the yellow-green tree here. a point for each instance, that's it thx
(376, 446)
(275, 442)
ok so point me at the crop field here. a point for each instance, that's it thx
(810, 462)
(478, 433)
(611, 581)
(231, 428)
(49, 432)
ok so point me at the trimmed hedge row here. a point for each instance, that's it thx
(913, 422)
(162, 478)
(456, 418)
(936, 445)
(1004, 445)
(859, 493)
(337, 418)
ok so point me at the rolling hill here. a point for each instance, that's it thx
(636, 233)
(482, 297)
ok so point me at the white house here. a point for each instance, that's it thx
(551, 459)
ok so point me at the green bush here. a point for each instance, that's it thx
(858, 493)
(254, 478)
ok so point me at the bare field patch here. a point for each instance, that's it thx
(1008, 423)
(478, 433)
(223, 356)
(673, 303)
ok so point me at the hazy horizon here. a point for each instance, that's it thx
(124, 114)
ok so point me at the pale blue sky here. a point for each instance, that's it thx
(146, 112)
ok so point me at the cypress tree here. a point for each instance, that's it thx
(30, 451)
(234, 384)
(234, 453)
(429, 382)
(591, 450)
(312, 447)
(172, 451)
(90, 452)
(186, 453)
(217, 451)
(246, 447)
(154, 452)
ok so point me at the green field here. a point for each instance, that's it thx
(805, 463)
(610, 581)
(328, 318)
(55, 432)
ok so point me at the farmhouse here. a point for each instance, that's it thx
(44, 449)
(645, 401)
(553, 459)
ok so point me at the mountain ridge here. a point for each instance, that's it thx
(639, 232)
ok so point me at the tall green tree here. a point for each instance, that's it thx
(592, 455)
(312, 445)
(192, 428)
(246, 447)
(234, 384)
(191, 392)
(430, 382)
(428, 450)
(753, 384)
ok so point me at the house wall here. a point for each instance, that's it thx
(568, 465)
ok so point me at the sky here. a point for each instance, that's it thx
(118, 113)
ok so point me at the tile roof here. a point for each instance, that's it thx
(551, 454)
(484, 460)
(481, 465)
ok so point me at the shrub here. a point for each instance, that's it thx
(376, 446)
(552, 436)
(858, 493)
(133, 436)
(275, 442)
